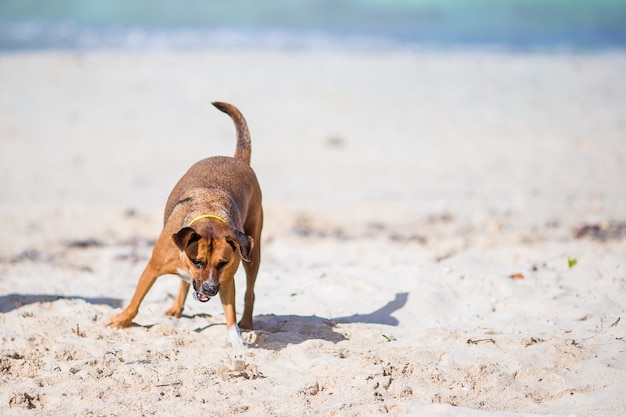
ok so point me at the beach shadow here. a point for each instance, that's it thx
(381, 316)
(11, 302)
(277, 332)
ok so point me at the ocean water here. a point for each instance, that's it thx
(517, 25)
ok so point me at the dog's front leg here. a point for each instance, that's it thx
(149, 275)
(227, 297)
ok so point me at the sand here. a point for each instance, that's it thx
(445, 233)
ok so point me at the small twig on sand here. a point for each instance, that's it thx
(477, 341)
(169, 385)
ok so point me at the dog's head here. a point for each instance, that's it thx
(211, 253)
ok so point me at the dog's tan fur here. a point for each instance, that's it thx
(213, 220)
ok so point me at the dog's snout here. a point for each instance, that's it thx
(210, 288)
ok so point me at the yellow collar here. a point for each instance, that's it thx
(206, 216)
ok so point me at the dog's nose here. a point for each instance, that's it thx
(210, 288)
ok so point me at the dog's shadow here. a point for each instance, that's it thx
(271, 331)
(11, 302)
(278, 331)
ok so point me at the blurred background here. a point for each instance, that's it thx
(444, 127)
(283, 24)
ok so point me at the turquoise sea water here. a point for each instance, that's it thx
(364, 24)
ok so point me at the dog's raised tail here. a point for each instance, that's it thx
(244, 149)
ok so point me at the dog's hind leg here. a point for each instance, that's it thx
(252, 269)
(254, 226)
(176, 310)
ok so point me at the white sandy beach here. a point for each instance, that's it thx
(421, 209)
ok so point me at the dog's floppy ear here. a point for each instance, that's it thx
(186, 239)
(243, 243)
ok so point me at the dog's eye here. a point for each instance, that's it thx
(220, 265)
(197, 263)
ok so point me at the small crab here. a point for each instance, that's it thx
(237, 367)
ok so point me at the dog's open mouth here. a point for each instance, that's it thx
(202, 297)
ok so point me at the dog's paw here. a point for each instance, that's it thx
(120, 321)
(174, 311)
(245, 324)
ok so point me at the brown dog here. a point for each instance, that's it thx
(213, 219)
